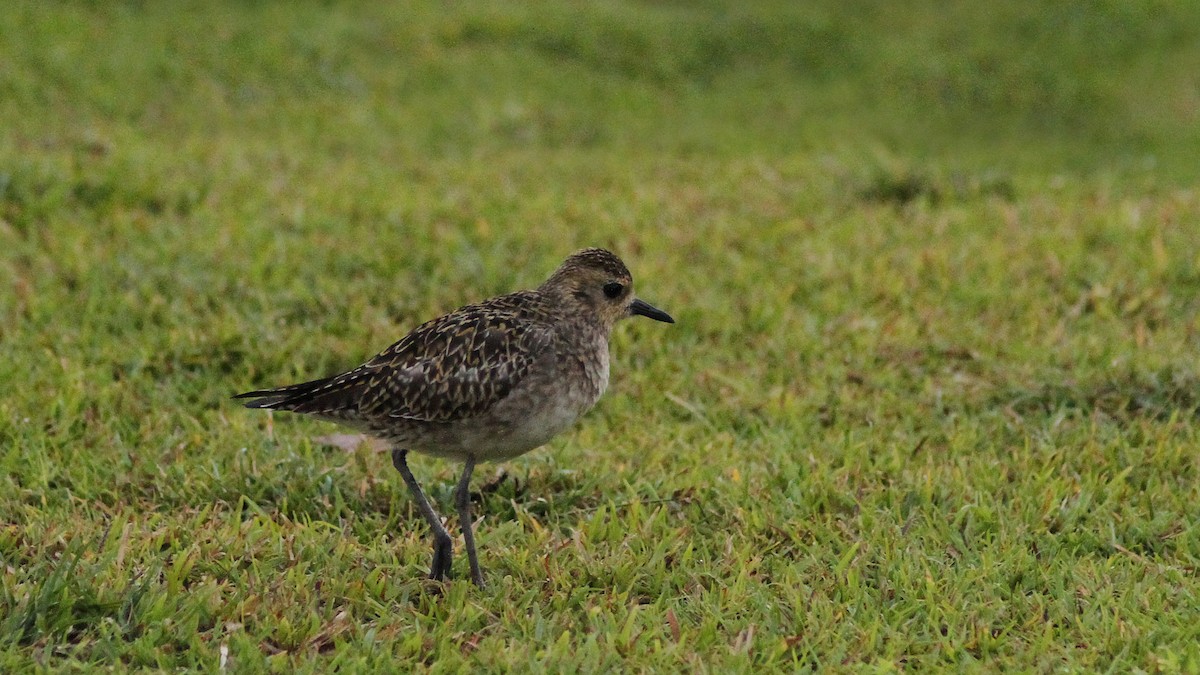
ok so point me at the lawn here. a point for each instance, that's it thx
(931, 400)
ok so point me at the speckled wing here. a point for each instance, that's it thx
(454, 367)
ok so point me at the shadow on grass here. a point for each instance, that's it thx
(28, 199)
(904, 185)
(304, 489)
(1160, 396)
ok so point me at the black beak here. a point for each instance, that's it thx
(645, 309)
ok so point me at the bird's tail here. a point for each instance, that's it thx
(284, 398)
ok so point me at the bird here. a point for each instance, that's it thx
(486, 382)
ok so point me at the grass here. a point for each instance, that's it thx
(931, 400)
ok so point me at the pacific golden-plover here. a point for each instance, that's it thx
(485, 382)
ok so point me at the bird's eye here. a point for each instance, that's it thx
(612, 289)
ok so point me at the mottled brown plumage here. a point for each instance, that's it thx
(457, 366)
(488, 381)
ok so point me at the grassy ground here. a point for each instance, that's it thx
(931, 400)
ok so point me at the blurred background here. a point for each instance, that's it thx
(934, 266)
(1059, 86)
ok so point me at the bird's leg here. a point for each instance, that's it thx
(462, 499)
(442, 551)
